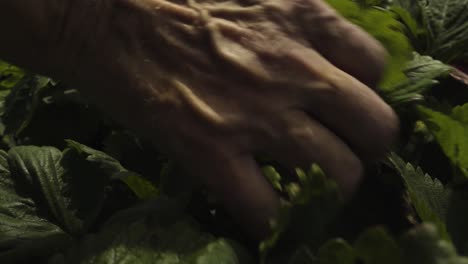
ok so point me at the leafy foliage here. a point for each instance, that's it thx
(114, 198)
(9, 77)
(22, 222)
(377, 246)
(426, 67)
(50, 195)
(336, 251)
(422, 245)
(422, 73)
(313, 203)
(451, 132)
(383, 26)
(154, 232)
(142, 187)
(53, 172)
(24, 99)
(447, 26)
(428, 195)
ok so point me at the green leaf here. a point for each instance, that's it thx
(451, 132)
(425, 67)
(384, 26)
(25, 231)
(371, 3)
(47, 195)
(460, 113)
(376, 246)
(41, 166)
(9, 75)
(273, 176)
(446, 208)
(143, 188)
(302, 255)
(422, 72)
(39, 111)
(428, 195)
(22, 101)
(67, 186)
(336, 251)
(155, 232)
(412, 27)
(303, 220)
(447, 25)
(412, 7)
(107, 163)
(423, 245)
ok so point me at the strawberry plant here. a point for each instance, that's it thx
(75, 187)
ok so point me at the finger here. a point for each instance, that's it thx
(306, 141)
(342, 43)
(356, 114)
(346, 106)
(238, 182)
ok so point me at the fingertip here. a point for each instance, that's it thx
(246, 194)
(344, 44)
(350, 180)
(387, 131)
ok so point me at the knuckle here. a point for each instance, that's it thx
(298, 133)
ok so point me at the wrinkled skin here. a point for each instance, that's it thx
(215, 83)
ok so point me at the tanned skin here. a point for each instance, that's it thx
(215, 82)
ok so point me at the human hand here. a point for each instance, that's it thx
(215, 83)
